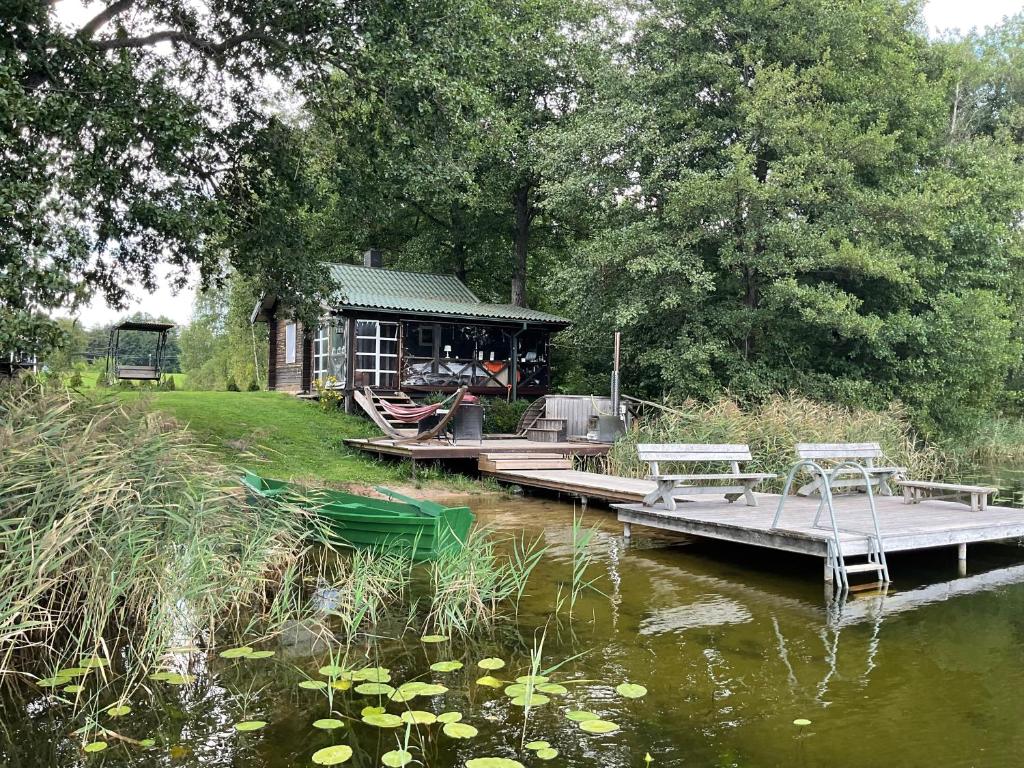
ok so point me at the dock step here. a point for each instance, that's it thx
(505, 462)
(864, 567)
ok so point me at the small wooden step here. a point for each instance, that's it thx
(505, 462)
(863, 567)
(877, 586)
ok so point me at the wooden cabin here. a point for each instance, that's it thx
(411, 332)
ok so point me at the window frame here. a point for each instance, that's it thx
(290, 337)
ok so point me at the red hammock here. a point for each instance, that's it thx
(409, 414)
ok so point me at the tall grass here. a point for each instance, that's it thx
(773, 428)
(121, 536)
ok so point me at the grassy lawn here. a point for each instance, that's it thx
(278, 435)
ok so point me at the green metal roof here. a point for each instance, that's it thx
(388, 290)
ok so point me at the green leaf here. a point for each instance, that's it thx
(249, 725)
(459, 730)
(339, 753)
(553, 688)
(119, 711)
(396, 758)
(598, 726)
(147, 743)
(260, 655)
(312, 685)
(531, 700)
(236, 653)
(72, 672)
(92, 662)
(493, 762)
(331, 670)
(449, 717)
(374, 689)
(373, 674)
(581, 716)
(801, 721)
(95, 746)
(535, 679)
(630, 690)
(535, 745)
(490, 682)
(382, 720)
(73, 688)
(491, 663)
(53, 682)
(418, 717)
(179, 679)
(547, 753)
(328, 724)
(433, 639)
(371, 711)
(446, 666)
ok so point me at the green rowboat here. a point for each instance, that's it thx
(413, 527)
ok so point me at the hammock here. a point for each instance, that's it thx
(413, 414)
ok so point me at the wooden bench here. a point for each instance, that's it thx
(915, 491)
(670, 486)
(863, 454)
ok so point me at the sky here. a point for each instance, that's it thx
(941, 16)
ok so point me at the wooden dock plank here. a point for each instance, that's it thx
(437, 449)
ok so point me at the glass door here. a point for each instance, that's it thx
(376, 354)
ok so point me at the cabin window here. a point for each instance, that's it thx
(321, 351)
(337, 359)
(376, 354)
(289, 343)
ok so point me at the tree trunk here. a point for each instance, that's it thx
(521, 199)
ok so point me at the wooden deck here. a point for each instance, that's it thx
(471, 449)
(904, 527)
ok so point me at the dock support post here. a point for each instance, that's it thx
(829, 572)
(961, 559)
(584, 501)
(627, 531)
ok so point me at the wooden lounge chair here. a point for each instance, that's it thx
(832, 454)
(669, 486)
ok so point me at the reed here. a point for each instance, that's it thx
(122, 536)
(774, 427)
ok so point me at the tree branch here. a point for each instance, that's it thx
(100, 20)
(177, 36)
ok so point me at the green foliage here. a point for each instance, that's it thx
(329, 397)
(75, 380)
(502, 416)
(253, 386)
(232, 385)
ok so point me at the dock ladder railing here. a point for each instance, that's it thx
(835, 559)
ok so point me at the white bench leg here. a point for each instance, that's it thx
(748, 494)
(666, 487)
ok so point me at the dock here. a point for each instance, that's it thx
(904, 527)
(437, 450)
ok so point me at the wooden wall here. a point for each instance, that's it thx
(282, 376)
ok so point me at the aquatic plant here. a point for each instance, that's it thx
(123, 536)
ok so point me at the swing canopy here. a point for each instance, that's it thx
(135, 365)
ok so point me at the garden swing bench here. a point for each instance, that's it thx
(135, 370)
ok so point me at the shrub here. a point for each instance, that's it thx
(330, 398)
(167, 383)
(102, 381)
(232, 385)
(502, 416)
(75, 380)
(253, 386)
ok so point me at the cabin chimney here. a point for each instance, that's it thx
(372, 257)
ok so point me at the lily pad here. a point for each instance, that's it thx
(581, 716)
(73, 688)
(160, 675)
(147, 743)
(119, 711)
(491, 663)
(432, 689)
(373, 675)
(552, 688)
(261, 654)
(449, 717)
(72, 672)
(95, 746)
(382, 720)
(53, 682)
(418, 717)
(535, 679)
(801, 721)
(236, 653)
(433, 639)
(631, 690)
(312, 685)
(374, 689)
(490, 682)
(535, 745)
(547, 753)
(331, 670)
(599, 726)
(179, 679)
(328, 724)
(493, 762)
(516, 689)
(531, 700)
(92, 662)
(446, 666)
(459, 730)
(396, 758)
(249, 725)
(341, 685)
(371, 711)
(339, 753)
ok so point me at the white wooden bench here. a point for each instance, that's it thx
(670, 486)
(864, 454)
(915, 491)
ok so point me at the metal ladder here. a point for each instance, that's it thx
(835, 559)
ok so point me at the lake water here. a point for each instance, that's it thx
(732, 644)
